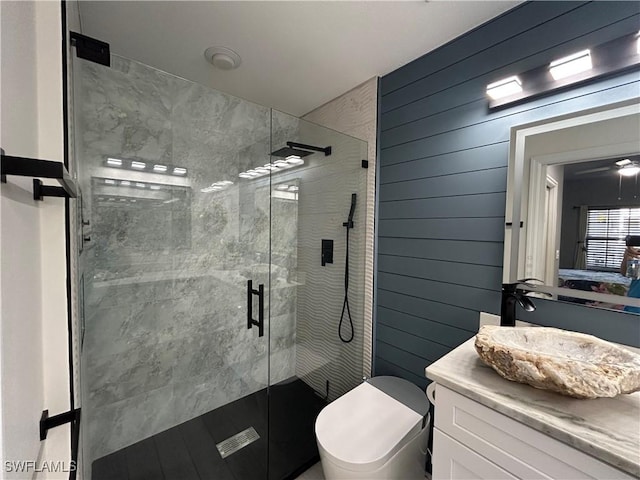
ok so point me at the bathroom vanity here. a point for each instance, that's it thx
(488, 427)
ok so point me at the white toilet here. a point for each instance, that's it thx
(378, 430)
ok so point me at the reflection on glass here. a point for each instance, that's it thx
(600, 208)
(129, 210)
(286, 191)
(630, 268)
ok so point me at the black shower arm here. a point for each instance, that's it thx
(325, 150)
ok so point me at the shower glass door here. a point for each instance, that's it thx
(212, 272)
(172, 234)
(314, 356)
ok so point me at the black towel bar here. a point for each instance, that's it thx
(32, 167)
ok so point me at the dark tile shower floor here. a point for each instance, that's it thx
(188, 451)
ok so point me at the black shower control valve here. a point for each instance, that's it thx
(327, 252)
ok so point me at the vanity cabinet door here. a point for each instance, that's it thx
(516, 448)
(453, 461)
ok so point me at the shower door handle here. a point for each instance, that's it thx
(260, 293)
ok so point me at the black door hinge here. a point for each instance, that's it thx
(91, 49)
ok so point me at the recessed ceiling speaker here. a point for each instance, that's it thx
(222, 57)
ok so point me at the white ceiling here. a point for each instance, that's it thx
(296, 55)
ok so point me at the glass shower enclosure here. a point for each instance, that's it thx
(209, 297)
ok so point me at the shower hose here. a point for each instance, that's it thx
(345, 305)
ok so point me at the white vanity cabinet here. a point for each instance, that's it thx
(488, 427)
(472, 441)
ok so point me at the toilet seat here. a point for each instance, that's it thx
(366, 427)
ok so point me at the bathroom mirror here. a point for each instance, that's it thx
(568, 206)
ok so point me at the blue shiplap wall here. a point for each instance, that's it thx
(442, 179)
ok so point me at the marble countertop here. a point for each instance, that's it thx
(605, 428)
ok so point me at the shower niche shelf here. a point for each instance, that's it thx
(32, 167)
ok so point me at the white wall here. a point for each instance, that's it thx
(33, 322)
(21, 352)
(52, 228)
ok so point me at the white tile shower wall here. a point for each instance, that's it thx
(326, 185)
(165, 276)
(355, 113)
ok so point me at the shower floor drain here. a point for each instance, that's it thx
(237, 442)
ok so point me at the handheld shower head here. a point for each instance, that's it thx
(349, 222)
(345, 304)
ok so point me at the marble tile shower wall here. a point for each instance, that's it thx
(164, 275)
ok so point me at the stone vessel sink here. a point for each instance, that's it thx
(570, 363)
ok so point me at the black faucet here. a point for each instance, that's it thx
(512, 295)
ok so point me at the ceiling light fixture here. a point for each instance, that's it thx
(504, 88)
(622, 163)
(223, 58)
(138, 165)
(571, 65)
(125, 183)
(159, 168)
(179, 171)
